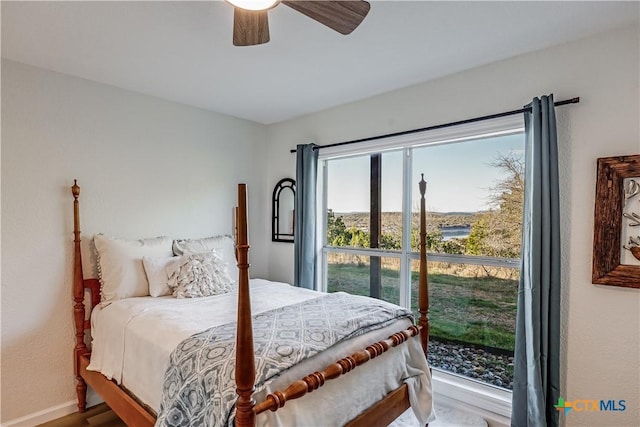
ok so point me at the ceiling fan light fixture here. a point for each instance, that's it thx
(254, 4)
(251, 21)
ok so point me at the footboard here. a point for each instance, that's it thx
(316, 380)
(380, 414)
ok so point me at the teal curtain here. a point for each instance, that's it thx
(304, 240)
(536, 385)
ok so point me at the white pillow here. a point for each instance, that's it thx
(199, 275)
(120, 268)
(158, 271)
(224, 245)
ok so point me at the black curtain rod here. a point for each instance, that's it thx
(445, 125)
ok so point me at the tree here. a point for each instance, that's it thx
(477, 236)
(499, 232)
(336, 230)
(338, 235)
(389, 241)
(359, 238)
(453, 246)
(434, 240)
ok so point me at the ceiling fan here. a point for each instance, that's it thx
(251, 25)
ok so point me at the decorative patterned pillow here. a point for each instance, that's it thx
(120, 268)
(224, 245)
(199, 275)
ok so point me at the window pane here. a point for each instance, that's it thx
(353, 274)
(471, 319)
(348, 202)
(391, 234)
(474, 196)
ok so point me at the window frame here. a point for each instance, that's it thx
(457, 387)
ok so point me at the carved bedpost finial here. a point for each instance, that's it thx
(423, 185)
(75, 189)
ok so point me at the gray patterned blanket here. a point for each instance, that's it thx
(199, 384)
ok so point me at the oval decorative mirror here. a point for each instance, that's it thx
(283, 211)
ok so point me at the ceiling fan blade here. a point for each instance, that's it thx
(250, 27)
(344, 16)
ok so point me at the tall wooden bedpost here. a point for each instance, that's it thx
(245, 365)
(423, 284)
(78, 300)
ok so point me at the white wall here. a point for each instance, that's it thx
(601, 331)
(146, 167)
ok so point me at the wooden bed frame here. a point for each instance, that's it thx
(133, 413)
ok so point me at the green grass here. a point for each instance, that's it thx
(354, 279)
(479, 311)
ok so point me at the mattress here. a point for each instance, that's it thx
(133, 339)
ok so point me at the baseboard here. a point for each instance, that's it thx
(45, 415)
(52, 413)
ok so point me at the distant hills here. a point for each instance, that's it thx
(392, 221)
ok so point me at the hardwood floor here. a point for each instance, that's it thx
(102, 416)
(97, 416)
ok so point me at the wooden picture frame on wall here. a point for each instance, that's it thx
(616, 206)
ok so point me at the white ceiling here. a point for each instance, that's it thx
(182, 51)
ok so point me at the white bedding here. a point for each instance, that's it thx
(133, 339)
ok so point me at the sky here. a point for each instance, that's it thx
(459, 176)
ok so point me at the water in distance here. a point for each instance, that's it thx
(455, 232)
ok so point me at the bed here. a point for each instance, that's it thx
(133, 358)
